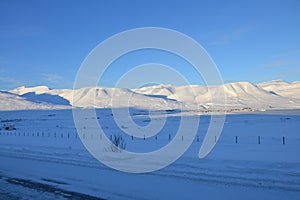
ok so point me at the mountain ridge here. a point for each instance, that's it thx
(276, 94)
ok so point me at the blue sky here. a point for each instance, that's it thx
(45, 42)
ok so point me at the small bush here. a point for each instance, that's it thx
(118, 143)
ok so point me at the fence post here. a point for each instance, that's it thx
(283, 140)
(236, 139)
(258, 139)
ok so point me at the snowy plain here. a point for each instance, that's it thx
(45, 152)
(256, 156)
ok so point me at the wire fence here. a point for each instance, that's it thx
(260, 140)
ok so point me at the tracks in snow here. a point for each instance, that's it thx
(230, 173)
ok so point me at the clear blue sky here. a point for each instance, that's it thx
(45, 42)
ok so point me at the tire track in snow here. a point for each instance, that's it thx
(257, 178)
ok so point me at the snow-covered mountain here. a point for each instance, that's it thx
(37, 90)
(10, 101)
(247, 95)
(290, 90)
(103, 97)
(239, 96)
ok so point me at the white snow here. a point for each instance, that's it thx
(23, 90)
(289, 90)
(45, 149)
(9, 101)
(239, 96)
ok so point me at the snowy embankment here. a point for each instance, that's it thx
(257, 157)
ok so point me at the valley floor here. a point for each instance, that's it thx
(44, 159)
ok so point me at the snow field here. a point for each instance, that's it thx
(51, 150)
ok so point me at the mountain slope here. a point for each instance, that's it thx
(23, 90)
(282, 88)
(255, 97)
(9, 101)
(239, 95)
(103, 97)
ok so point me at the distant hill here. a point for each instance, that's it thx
(239, 96)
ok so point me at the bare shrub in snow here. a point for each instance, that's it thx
(118, 144)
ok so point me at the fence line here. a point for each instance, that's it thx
(74, 135)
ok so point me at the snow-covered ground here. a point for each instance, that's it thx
(45, 159)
